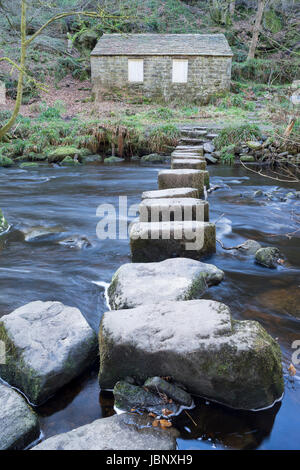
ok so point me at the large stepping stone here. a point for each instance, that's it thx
(188, 163)
(170, 193)
(190, 148)
(48, 345)
(197, 344)
(157, 241)
(183, 178)
(136, 284)
(126, 431)
(194, 133)
(19, 425)
(170, 209)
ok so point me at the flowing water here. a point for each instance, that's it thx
(66, 199)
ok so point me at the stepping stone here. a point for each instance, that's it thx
(127, 431)
(197, 344)
(183, 178)
(135, 284)
(171, 193)
(190, 148)
(208, 147)
(50, 345)
(194, 133)
(186, 155)
(212, 136)
(188, 163)
(210, 158)
(156, 241)
(19, 424)
(191, 140)
(170, 209)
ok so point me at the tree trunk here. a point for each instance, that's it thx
(256, 28)
(231, 7)
(18, 103)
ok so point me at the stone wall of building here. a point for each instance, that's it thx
(207, 75)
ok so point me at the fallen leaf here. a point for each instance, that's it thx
(152, 415)
(292, 370)
(155, 423)
(167, 412)
(165, 423)
(280, 261)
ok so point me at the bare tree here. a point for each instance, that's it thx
(25, 43)
(256, 29)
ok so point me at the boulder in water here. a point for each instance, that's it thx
(197, 344)
(48, 344)
(268, 257)
(136, 284)
(19, 424)
(127, 431)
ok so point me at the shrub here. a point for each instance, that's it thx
(233, 135)
(266, 71)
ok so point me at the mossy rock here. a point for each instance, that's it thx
(69, 161)
(5, 161)
(91, 159)
(3, 223)
(247, 158)
(29, 165)
(60, 153)
(154, 158)
(113, 160)
(268, 257)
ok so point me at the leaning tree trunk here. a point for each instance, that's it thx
(256, 29)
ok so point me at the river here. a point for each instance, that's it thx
(68, 198)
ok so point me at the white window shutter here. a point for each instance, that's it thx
(180, 71)
(135, 70)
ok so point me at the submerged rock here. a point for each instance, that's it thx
(249, 247)
(3, 223)
(268, 257)
(41, 234)
(119, 432)
(19, 424)
(157, 384)
(198, 345)
(75, 241)
(49, 344)
(247, 158)
(113, 160)
(29, 165)
(128, 397)
(173, 279)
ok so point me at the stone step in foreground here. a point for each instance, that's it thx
(178, 209)
(190, 148)
(170, 193)
(19, 425)
(135, 284)
(157, 241)
(188, 163)
(198, 345)
(183, 178)
(48, 345)
(126, 431)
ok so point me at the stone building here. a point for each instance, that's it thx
(172, 67)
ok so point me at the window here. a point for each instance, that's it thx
(180, 71)
(135, 70)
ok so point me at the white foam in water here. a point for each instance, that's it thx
(224, 227)
(181, 409)
(106, 286)
(16, 270)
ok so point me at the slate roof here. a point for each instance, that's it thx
(162, 44)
